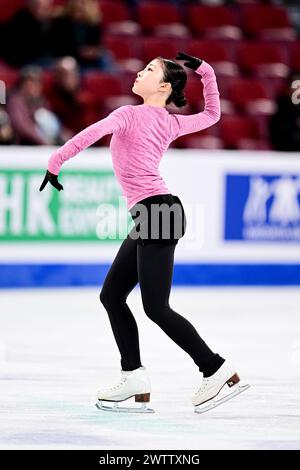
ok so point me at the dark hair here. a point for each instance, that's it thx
(30, 72)
(175, 74)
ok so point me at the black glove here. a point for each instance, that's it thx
(192, 62)
(53, 180)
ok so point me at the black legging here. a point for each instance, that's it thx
(152, 266)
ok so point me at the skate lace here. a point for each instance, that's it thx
(119, 384)
(203, 386)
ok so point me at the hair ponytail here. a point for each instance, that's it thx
(178, 98)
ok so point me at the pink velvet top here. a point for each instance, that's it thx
(141, 135)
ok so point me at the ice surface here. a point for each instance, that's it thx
(57, 349)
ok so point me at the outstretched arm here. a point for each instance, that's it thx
(186, 124)
(117, 121)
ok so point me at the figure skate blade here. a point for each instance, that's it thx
(123, 409)
(214, 402)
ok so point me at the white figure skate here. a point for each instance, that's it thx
(133, 383)
(211, 387)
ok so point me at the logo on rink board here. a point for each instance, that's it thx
(262, 207)
(27, 214)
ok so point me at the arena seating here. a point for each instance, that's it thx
(252, 46)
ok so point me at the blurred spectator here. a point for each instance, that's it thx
(6, 131)
(68, 101)
(25, 36)
(285, 123)
(76, 32)
(32, 122)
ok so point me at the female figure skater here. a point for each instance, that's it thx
(141, 134)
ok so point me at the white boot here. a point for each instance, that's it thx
(211, 386)
(135, 383)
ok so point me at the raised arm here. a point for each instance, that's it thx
(186, 124)
(118, 121)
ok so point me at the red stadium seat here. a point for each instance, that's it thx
(214, 21)
(186, 109)
(250, 96)
(194, 92)
(153, 13)
(215, 53)
(206, 139)
(253, 144)
(224, 82)
(102, 85)
(263, 58)
(236, 131)
(227, 107)
(267, 21)
(8, 8)
(152, 47)
(123, 28)
(123, 47)
(171, 31)
(208, 142)
(114, 12)
(113, 102)
(194, 95)
(262, 122)
(295, 56)
(9, 76)
(273, 85)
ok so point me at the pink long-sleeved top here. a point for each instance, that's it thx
(141, 134)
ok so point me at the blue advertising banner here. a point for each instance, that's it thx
(262, 207)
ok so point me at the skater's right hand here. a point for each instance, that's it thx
(192, 62)
(52, 179)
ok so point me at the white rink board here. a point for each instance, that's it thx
(197, 177)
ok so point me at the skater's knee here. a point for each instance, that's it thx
(155, 312)
(105, 296)
(109, 296)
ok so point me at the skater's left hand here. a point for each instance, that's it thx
(52, 179)
(192, 62)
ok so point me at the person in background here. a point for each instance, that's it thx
(66, 97)
(31, 118)
(284, 127)
(6, 131)
(25, 37)
(76, 32)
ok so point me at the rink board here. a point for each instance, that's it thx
(243, 218)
